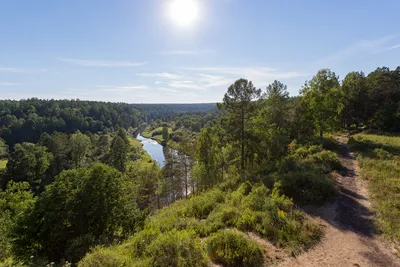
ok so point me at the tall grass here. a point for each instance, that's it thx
(379, 158)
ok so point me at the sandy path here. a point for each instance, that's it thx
(349, 238)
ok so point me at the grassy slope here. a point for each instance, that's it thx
(3, 163)
(198, 219)
(379, 158)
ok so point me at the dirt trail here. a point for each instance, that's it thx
(349, 239)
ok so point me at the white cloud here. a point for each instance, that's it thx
(122, 89)
(101, 63)
(395, 46)
(185, 85)
(8, 84)
(170, 90)
(186, 52)
(224, 76)
(17, 70)
(214, 80)
(162, 75)
(360, 48)
(157, 82)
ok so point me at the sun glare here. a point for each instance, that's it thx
(184, 12)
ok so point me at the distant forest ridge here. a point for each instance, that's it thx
(25, 120)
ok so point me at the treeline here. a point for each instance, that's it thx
(39, 163)
(26, 120)
(372, 100)
(167, 112)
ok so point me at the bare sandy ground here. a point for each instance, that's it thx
(350, 239)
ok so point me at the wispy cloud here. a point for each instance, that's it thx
(360, 48)
(185, 85)
(6, 84)
(101, 63)
(166, 89)
(162, 75)
(18, 70)
(186, 52)
(123, 88)
(395, 46)
(223, 76)
(214, 80)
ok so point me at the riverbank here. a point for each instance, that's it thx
(144, 158)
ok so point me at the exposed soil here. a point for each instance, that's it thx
(350, 238)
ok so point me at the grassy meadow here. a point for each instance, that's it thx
(379, 158)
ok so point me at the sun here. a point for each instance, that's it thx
(184, 13)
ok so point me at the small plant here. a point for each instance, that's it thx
(176, 248)
(232, 248)
(382, 153)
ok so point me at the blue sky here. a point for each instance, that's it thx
(132, 51)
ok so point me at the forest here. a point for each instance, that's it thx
(78, 188)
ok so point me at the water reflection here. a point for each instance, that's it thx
(154, 149)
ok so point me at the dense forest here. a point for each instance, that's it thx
(79, 189)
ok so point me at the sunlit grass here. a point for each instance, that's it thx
(379, 158)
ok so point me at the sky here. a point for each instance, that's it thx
(172, 51)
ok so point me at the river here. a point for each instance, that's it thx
(154, 149)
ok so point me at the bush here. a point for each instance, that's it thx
(101, 257)
(326, 160)
(307, 187)
(201, 206)
(233, 248)
(176, 248)
(382, 153)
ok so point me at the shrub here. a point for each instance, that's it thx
(382, 153)
(307, 187)
(101, 257)
(176, 248)
(326, 160)
(233, 248)
(201, 206)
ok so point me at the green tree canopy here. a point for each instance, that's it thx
(3, 149)
(323, 99)
(238, 106)
(79, 145)
(118, 153)
(82, 208)
(28, 163)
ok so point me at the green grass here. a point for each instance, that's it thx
(3, 163)
(379, 158)
(191, 231)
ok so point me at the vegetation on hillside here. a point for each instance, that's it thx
(78, 187)
(379, 157)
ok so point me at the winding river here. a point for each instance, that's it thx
(154, 149)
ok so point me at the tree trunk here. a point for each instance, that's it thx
(321, 134)
(186, 175)
(242, 143)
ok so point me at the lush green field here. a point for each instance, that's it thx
(3, 163)
(379, 158)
